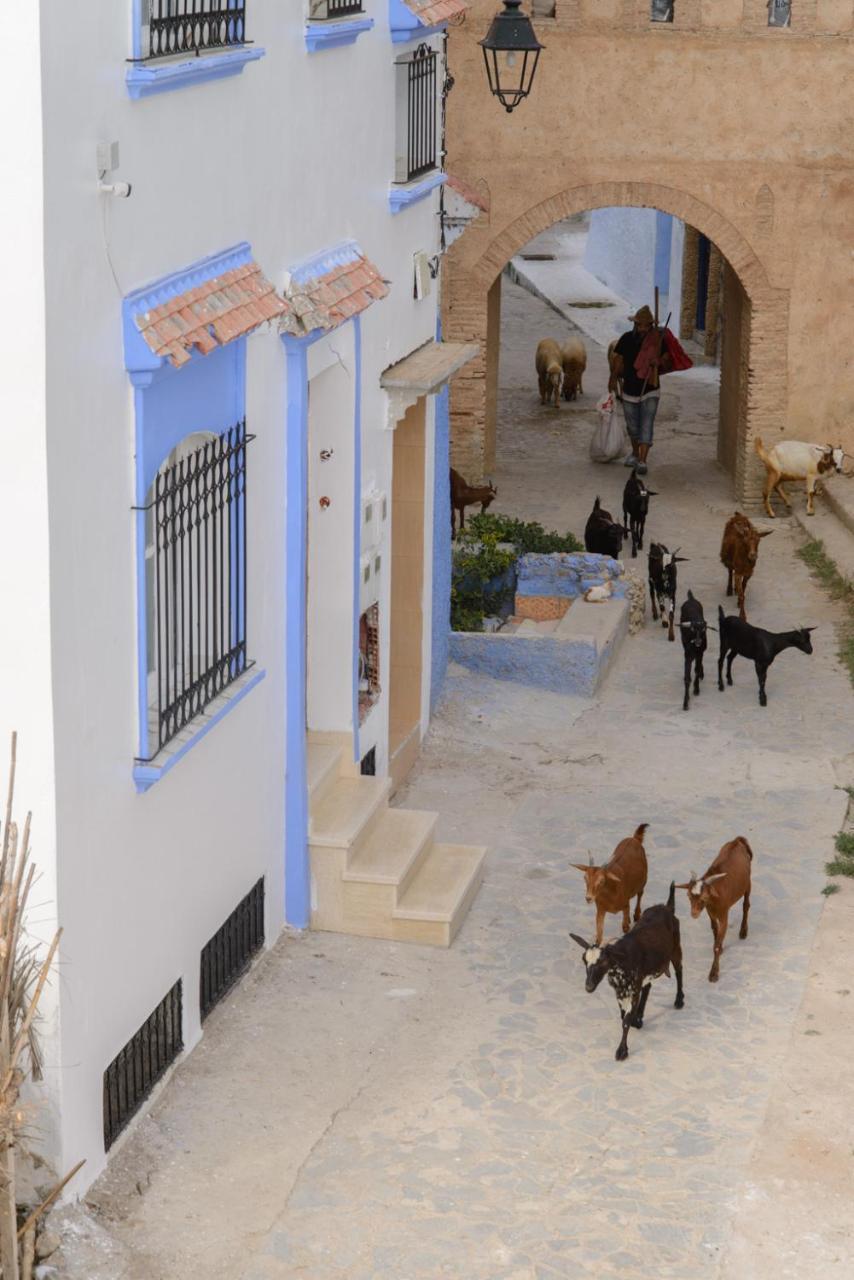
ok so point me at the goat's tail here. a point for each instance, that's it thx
(641, 832)
(760, 448)
(690, 594)
(744, 841)
(721, 618)
(671, 898)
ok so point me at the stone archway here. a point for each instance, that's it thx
(755, 393)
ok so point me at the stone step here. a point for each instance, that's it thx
(392, 852)
(347, 811)
(827, 526)
(435, 904)
(323, 765)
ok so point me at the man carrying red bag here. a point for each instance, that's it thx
(640, 357)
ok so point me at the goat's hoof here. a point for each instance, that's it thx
(638, 1023)
(763, 702)
(742, 933)
(622, 1053)
(713, 976)
(729, 681)
(679, 1002)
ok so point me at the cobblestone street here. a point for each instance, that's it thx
(361, 1109)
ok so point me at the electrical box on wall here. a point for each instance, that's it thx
(374, 518)
(422, 275)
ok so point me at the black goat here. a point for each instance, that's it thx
(636, 498)
(602, 534)
(692, 628)
(661, 568)
(634, 961)
(742, 640)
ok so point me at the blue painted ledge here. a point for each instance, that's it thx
(145, 775)
(402, 197)
(331, 35)
(147, 78)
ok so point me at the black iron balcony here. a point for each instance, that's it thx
(192, 26)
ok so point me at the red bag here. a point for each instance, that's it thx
(672, 347)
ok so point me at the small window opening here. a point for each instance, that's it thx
(369, 660)
(779, 13)
(662, 10)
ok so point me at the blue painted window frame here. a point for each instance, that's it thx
(333, 33)
(208, 394)
(144, 78)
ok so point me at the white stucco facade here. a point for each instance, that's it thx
(295, 156)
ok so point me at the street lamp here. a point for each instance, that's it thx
(510, 51)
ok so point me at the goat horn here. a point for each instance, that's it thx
(717, 876)
(809, 628)
(683, 886)
(590, 857)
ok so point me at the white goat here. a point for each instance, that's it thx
(796, 460)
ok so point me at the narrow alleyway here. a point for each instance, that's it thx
(361, 1109)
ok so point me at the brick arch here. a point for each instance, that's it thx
(755, 368)
(604, 195)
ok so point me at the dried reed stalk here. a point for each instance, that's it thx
(23, 974)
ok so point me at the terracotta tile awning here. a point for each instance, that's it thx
(330, 290)
(428, 368)
(215, 312)
(431, 12)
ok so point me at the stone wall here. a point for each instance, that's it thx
(757, 158)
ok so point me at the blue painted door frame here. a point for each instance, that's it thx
(297, 864)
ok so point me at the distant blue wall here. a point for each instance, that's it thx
(441, 550)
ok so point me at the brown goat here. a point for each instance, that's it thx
(465, 495)
(718, 889)
(613, 886)
(549, 366)
(739, 552)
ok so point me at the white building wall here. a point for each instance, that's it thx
(295, 155)
(26, 703)
(620, 251)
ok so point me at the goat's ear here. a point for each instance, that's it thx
(578, 866)
(609, 875)
(683, 886)
(652, 493)
(575, 938)
(684, 559)
(717, 876)
(809, 628)
(765, 533)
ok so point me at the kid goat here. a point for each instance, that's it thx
(741, 640)
(633, 962)
(661, 566)
(719, 889)
(739, 553)
(602, 534)
(613, 886)
(636, 498)
(692, 629)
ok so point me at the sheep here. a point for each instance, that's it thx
(549, 364)
(574, 361)
(796, 460)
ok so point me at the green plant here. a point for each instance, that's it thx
(840, 588)
(478, 562)
(830, 889)
(525, 535)
(845, 844)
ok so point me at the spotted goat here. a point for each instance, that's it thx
(633, 962)
(661, 568)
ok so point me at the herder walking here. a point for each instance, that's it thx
(641, 355)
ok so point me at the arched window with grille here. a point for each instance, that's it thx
(195, 579)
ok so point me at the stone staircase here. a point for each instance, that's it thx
(377, 871)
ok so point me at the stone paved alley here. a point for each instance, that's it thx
(361, 1109)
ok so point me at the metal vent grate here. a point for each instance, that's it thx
(231, 948)
(135, 1070)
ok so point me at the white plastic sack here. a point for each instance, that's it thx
(608, 440)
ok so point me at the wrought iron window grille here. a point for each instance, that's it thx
(326, 10)
(191, 27)
(195, 583)
(227, 955)
(420, 150)
(136, 1069)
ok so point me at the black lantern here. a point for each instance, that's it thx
(510, 51)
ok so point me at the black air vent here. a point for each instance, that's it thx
(135, 1070)
(231, 948)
